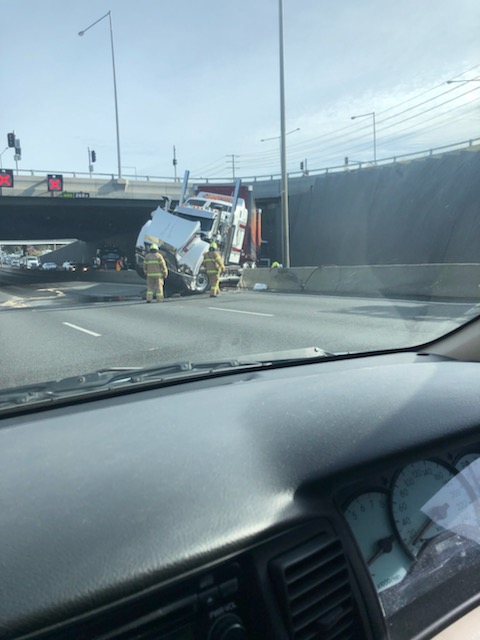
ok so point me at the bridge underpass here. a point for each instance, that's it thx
(98, 221)
(93, 221)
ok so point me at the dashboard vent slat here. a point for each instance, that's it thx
(313, 586)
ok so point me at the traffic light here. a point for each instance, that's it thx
(11, 139)
(301, 166)
(6, 178)
(93, 156)
(54, 182)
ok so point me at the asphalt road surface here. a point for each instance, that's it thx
(54, 330)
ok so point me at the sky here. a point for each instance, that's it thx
(203, 76)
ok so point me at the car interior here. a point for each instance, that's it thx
(337, 498)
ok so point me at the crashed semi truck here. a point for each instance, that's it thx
(225, 214)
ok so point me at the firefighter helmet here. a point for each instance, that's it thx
(213, 245)
(154, 247)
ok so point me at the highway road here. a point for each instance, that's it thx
(54, 330)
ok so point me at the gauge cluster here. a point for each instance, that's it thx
(417, 524)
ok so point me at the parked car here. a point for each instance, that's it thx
(15, 262)
(49, 266)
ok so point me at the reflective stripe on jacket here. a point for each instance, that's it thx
(155, 265)
(213, 262)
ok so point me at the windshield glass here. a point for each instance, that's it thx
(356, 155)
(192, 202)
(205, 223)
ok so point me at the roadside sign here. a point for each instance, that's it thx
(6, 178)
(74, 194)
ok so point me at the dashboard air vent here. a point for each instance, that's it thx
(313, 586)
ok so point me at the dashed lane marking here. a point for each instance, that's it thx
(74, 326)
(250, 313)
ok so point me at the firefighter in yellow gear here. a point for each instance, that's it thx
(155, 269)
(213, 265)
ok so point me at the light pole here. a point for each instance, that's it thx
(364, 115)
(283, 145)
(81, 33)
(284, 197)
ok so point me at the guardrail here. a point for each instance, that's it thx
(458, 146)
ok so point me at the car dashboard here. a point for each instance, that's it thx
(332, 500)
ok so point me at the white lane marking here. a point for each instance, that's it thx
(250, 313)
(74, 326)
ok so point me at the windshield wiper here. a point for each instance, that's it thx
(121, 377)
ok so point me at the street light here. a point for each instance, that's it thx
(364, 115)
(283, 146)
(81, 33)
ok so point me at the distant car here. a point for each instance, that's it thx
(49, 266)
(109, 260)
(15, 262)
(75, 266)
(29, 262)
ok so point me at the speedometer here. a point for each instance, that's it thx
(370, 522)
(417, 516)
(466, 460)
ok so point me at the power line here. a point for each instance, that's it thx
(312, 142)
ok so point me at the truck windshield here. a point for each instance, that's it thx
(215, 206)
(206, 224)
(195, 203)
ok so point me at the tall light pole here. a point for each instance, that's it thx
(283, 147)
(364, 115)
(81, 33)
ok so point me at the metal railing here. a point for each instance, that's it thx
(465, 144)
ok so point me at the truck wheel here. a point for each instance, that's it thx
(202, 282)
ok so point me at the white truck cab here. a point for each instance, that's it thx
(184, 235)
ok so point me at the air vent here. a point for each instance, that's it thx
(313, 586)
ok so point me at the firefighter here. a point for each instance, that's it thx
(213, 265)
(156, 271)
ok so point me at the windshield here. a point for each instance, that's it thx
(206, 224)
(356, 155)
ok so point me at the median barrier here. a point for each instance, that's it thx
(442, 281)
(278, 279)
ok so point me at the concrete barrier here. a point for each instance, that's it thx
(287, 280)
(442, 281)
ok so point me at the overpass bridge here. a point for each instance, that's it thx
(79, 185)
(333, 205)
